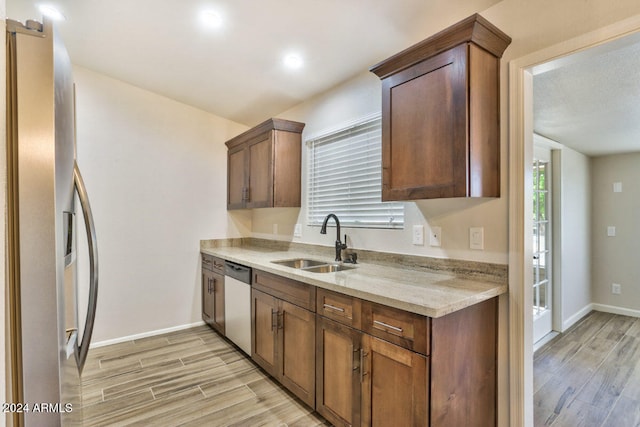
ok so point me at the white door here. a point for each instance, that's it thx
(542, 243)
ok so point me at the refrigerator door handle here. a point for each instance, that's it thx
(82, 348)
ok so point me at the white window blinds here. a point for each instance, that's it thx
(345, 178)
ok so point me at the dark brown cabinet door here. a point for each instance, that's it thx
(395, 385)
(236, 181)
(213, 299)
(284, 343)
(337, 372)
(260, 177)
(264, 332)
(217, 287)
(296, 345)
(424, 137)
(208, 303)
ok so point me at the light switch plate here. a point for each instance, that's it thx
(611, 231)
(435, 236)
(297, 230)
(418, 235)
(616, 288)
(617, 187)
(476, 238)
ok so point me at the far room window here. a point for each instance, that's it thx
(345, 178)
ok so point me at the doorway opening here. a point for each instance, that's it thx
(521, 239)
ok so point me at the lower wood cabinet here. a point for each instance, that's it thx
(213, 293)
(283, 337)
(395, 385)
(362, 380)
(360, 363)
(338, 381)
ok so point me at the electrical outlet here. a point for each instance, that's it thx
(418, 235)
(275, 228)
(476, 238)
(616, 288)
(297, 230)
(611, 231)
(435, 236)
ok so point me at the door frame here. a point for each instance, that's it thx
(520, 204)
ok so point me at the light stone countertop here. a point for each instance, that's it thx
(432, 294)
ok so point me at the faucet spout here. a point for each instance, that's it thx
(339, 245)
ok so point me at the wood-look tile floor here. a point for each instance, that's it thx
(187, 378)
(590, 375)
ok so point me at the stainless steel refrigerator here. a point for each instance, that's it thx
(46, 198)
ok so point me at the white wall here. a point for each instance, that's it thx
(572, 229)
(155, 171)
(615, 259)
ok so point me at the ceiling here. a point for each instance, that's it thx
(587, 101)
(590, 101)
(236, 71)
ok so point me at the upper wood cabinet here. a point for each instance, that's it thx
(440, 114)
(263, 166)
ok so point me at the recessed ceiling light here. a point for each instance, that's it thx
(293, 61)
(51, 12)
(211, 18)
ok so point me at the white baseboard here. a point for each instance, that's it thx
(616, 310)
(598, 307)
(144, 335)
(577, 316)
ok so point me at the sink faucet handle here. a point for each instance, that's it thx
(343, 245)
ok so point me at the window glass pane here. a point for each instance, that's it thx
(345, 178)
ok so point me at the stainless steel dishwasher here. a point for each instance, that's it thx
(237, 305)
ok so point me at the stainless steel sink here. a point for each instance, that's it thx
(300, 263)
(312, 265)
(328, 268)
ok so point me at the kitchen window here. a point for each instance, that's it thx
(345, 178)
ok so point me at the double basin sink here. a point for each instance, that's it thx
(312, 265)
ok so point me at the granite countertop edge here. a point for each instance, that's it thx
(433, 293)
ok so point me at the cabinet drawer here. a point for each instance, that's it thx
(408, 330)
(289, 290)
(341, 308)
(212, 263)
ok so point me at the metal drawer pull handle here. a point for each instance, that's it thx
(363, 354)
(386, 325)
(274, 314)
(206, 261)
(280, 318)
(333, 307)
